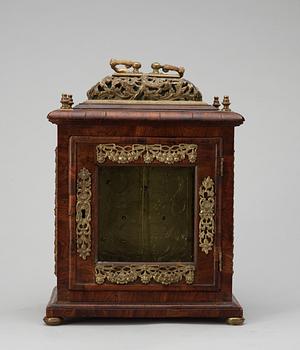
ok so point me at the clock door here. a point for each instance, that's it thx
(146, 213)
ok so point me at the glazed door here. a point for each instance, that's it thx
(145, 213)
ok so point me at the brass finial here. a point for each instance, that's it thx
(66, 101)
(226, 104)
(216, 102)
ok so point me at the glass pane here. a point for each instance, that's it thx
(146, 213)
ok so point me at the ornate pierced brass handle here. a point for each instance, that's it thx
(166, 68)
(128, 64)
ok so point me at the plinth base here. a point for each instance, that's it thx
(58, 312)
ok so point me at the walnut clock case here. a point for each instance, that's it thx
(144, 200)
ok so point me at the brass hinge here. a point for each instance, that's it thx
(220, 261)
(221, 166)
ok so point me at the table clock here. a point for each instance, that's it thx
(144, 200)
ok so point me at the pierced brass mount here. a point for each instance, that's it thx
(128, 83)
(207, 214)
(163, 274)
(83, 213)
(149, 153)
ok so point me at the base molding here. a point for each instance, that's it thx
(58, 311)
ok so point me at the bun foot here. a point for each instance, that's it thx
(53, 321)
(235, 321)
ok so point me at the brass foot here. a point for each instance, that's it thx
(53, 321)
(235, 321)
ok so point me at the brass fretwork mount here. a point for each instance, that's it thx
(164, 83)
(129, 83)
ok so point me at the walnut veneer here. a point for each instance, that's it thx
(80, 130)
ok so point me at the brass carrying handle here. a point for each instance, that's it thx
(166, 68)
(128, 64)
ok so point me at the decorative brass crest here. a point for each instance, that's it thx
(83, 213)
(124, 274)
(134, 85)
(207, 214)
(162, 153)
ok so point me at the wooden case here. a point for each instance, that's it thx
(201, 287)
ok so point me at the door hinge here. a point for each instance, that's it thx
(220, 261)
(221, 166)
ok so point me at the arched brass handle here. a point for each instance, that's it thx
(166, 68)
(128, 64)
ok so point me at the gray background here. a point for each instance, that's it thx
(246, 49)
